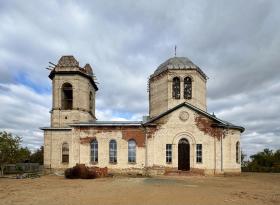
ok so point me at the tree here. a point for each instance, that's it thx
(265, 161)
(9, 149)
(37, 156)
(23, 155)
(264, 158)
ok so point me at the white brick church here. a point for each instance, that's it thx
(178, 134)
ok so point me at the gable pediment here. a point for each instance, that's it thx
(183, 112)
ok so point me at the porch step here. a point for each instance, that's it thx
(182, 173)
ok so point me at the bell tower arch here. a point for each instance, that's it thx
(73, 93)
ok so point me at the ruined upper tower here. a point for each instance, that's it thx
(73, 92)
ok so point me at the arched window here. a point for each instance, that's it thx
(131, 151)
(65, 152)
(67, 97)
(90, 101)
(176, 88)
(94, 151)
(237, 152)
(188, 88)
(113, 151)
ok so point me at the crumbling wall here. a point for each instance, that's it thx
(136, 133)
(204, 124)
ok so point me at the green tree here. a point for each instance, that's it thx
(264, 158)
(9, 149)
(23, 155)
(37, 156)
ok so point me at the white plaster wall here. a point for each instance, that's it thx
(172, 129)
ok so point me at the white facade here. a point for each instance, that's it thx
(178, 135)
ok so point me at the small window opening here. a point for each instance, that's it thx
(67, 96)
(176, 88)
(65, 152)
(199, 153)
(188, 88)
(168, 153)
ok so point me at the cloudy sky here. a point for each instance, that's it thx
(236, 43)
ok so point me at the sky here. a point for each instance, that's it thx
(236, 43)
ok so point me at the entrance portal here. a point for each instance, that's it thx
(184, 155)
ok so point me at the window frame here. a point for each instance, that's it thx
(65, 153)
(67, 102)
(176, 88)
(94, 151)
(168, 153)
(131, 151)
(187, 86)
(113, 151)
(199, 154)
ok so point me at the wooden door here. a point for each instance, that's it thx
(184, 155)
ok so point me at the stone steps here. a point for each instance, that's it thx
(182, 173)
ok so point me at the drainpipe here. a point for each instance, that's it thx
(51, 147)
(146, 148)
(215, 160)
(223, 135)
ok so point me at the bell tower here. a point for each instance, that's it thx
(175, 81)
(73, 93)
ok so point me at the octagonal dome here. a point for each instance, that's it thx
(177, 63)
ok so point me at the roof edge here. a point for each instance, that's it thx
(55, 128)
(54, 72)
(220, 123)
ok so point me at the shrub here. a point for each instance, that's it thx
(81, 171)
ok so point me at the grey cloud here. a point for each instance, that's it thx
(236, 44)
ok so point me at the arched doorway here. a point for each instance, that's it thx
(184, 155)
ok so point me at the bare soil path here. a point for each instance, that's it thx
(249, 188)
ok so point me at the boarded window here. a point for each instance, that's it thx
(94, 151)
(113, 151)
(65, 152)
(237, 152)
(176, 88)
(67, 97)
(168, 153)
(199, 153)
(187, 88)
(131, 151)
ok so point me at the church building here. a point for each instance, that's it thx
(178, 135)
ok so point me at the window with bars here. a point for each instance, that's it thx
(176, 88)
(65, 152)
(113, 151)
(199, 153)
(94, 151)
(188, 88)
(131, 151)
(168, 153)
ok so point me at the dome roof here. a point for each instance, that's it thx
(177, 63)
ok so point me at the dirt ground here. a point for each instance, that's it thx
(249, 188)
